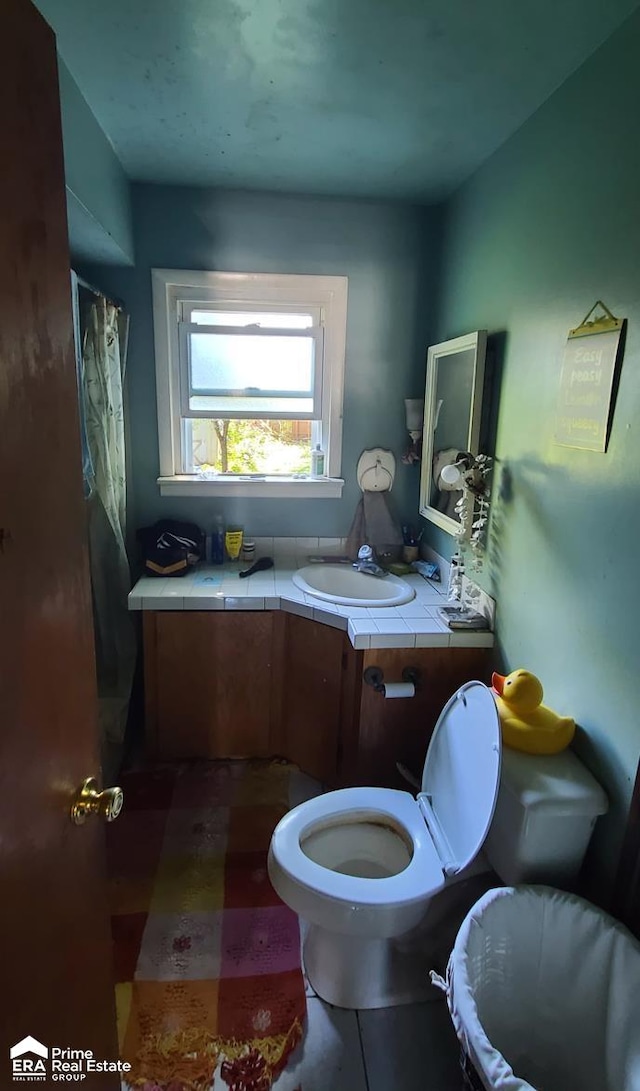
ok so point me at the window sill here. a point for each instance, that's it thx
(288, 488)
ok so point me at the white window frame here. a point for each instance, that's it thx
(328, 294)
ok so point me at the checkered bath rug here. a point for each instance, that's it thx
(208, 974)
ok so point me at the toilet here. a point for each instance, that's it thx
(362, 866)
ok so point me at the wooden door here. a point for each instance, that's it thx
(313, 669)
(56, 950)
(210, 682)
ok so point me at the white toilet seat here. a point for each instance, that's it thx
(369, 939)
(422, 878)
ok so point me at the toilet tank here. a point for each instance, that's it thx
(545, 813)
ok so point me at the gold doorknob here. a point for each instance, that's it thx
(88, 800)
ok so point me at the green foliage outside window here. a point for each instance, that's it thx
(252, 446)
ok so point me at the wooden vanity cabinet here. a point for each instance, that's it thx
(311, 696)
(222, 684)
(212, 683)
(383, 732)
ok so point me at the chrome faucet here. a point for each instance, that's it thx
(367, 564)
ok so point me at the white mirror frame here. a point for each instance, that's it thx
(436, 358)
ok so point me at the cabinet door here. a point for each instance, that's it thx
(399, 730)
(208, 683)
(311, 696)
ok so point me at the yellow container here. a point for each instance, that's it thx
(233, 542)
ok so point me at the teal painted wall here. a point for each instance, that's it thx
(390, 254)
(98, 191)
(550, 224)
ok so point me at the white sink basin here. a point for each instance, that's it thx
(345, 586)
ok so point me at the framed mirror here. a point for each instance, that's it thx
(452, 417)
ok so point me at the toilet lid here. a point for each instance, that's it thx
(461, 773)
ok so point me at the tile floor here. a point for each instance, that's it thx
(408, 1048)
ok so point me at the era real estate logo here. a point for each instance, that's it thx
(32, 1062)
(28, 1060)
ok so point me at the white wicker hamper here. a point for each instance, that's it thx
(544, 994)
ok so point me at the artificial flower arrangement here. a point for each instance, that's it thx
(472, 510)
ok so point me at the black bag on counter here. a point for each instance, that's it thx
(170, 547)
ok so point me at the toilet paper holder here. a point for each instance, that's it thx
(374, 676)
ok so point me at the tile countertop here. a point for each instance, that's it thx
(217, 587)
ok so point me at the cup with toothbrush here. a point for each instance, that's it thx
(411, 546)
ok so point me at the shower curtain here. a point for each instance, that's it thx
(102, 375)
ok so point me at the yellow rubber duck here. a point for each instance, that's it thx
(526, 723)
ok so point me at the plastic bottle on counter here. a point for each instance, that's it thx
(217, 541)
(317, 461)
(233, 542)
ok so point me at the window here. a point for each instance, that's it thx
(249, 372)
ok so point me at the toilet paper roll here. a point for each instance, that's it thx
(399, 689)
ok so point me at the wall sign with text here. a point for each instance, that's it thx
(589, 372)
